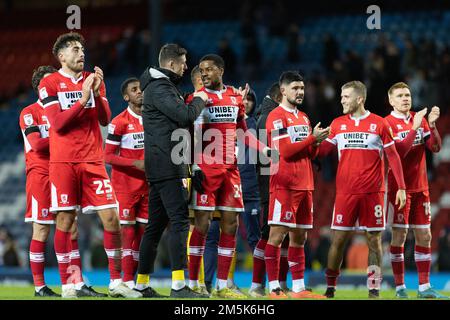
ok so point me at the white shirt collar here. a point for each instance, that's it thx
(217, 91)
(399, 115)
(130, 111)
(40, 103)
(364, 116)
(294, 111)
(70, 77)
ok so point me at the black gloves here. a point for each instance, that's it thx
(197, 179)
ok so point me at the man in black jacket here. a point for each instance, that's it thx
(166, 118)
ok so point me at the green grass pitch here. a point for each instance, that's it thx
(27, 293)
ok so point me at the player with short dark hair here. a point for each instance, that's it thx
(361, 139)
(291, 185)
(216, 181)
(34, 125)
(412, 135)
(75, 104)
(124, 150)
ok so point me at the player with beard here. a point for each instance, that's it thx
(361, 139)
(291, 185)
(216, 181)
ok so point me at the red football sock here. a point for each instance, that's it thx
(135, 246)
(227, 245)
(259, 265)
(398, 265)
(296, 259)
(284, 264)
(422, 256)
(75, 261)
(196, 250)
(37, 262)
(112, 244)
(272, 259)
(332, 276)
(62, 249)
(127, 253)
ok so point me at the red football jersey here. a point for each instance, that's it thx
(126, 130)
(82, 141)
(295, 173)
(224, 109)
(414, 164)
(32, 119)
(360, 143)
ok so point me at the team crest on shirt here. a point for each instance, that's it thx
(288, 215)
(204, 199)
(44, 213)
(62, 85)
(64, 198)
(343, 127)
(278, 124)
(399, 126)
(400, 217)
(28, 119)
(126, 213)
(210, 101)
(233, 100)
(373, 127)
(130, 126)
(290, 120)
(339, 218)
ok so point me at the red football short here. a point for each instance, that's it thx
(415, 214)
(38, 198)
(84, 184)
(291, 208)
(132, 208)
(359, 212)
(223, 191)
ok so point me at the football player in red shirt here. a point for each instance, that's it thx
(291, 185)
(124, 150)
(75, 104)
(361, 139)
(34, 127)
(216, 181)
(412, 135)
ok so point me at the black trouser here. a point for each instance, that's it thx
(263, 183)
(168, 202)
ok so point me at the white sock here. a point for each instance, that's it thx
(298, 285)
(425, 286)
(79, 285)
(400, 287)
(37, 289)
(221, 284)
(193, 284)
(274, 284)
(230, 282)
(178, 284)
(141, 286)
(130, 284)
(67, 286)
(113, 283)
(255, 286)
